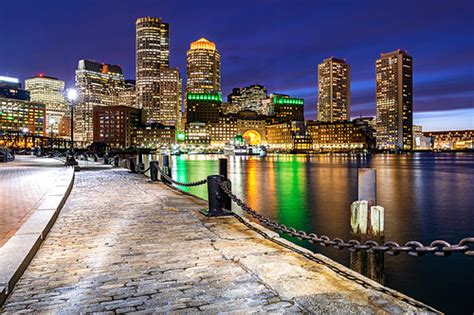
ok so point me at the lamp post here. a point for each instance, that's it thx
(52, 121)
(72, 96)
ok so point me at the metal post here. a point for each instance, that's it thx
(223, 171)
(216, 197)
(131, 164)
(116, 160)
(153, 171)
(165, 165)
(223, 167)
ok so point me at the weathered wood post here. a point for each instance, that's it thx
(367, 222)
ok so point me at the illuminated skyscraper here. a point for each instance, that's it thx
(152, 53)
(97, 85)
(203, 67)
(50, 92)
(333, 90)
(394, 101)
(170, 97)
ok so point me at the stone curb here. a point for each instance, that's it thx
(19, 250)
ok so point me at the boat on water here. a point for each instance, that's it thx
(232, 149)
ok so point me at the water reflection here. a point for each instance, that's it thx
(425, 196)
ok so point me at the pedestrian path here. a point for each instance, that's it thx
(122, 244)
(23, 183)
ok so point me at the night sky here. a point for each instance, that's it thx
(274, 43)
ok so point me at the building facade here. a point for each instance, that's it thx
(170, 97)
(49, 91)
(248, 98)
(285, 108)
(19, 117)
(451, 139)
(11, 88)
(333, 90)
(394, 101)
(289, 137)
(155, 136)
(128, 96)
(116, 125)
(152, 54)
(203, 67)
(203, 107)
(97, 85)
(341, 136)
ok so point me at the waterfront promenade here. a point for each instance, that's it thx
(23, 183)
(121, 244)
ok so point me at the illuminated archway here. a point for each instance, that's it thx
(252, 137)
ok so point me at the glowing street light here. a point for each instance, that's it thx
(71, 95)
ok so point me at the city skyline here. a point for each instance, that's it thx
(442, 86)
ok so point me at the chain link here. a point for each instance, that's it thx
(192, 184)
(412, 248)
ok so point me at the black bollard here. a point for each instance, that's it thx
(223, 171)
(95, 158)
(132, 165)
(216, 197)
(116, 160)
(153, 171)
(165, 166)
(223, 167)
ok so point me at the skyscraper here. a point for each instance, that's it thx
(394, 101)
(49, 91)
(333, 90)
(152, 54)
(203, 67)
(97, 85)
(170, 97)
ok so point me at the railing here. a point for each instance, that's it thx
(220, 197)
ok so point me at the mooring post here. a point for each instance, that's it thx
(132, 165)
(216, 197)
(223, 171)
(223, 167)
(165, 166)
(367, 222)
(153, 171)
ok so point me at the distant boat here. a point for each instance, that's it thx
(231, 150)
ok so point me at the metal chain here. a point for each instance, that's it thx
(168, 178)
(412, 248)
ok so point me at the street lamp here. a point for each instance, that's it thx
(72, 96)
(52, 121)
(25, 134)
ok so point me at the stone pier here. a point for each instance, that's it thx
(121, 244)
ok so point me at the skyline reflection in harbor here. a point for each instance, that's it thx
(424, 196)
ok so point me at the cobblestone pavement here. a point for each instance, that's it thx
(23, 183)
(123, 245)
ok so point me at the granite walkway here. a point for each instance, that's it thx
(124, 245)
(23, 183)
